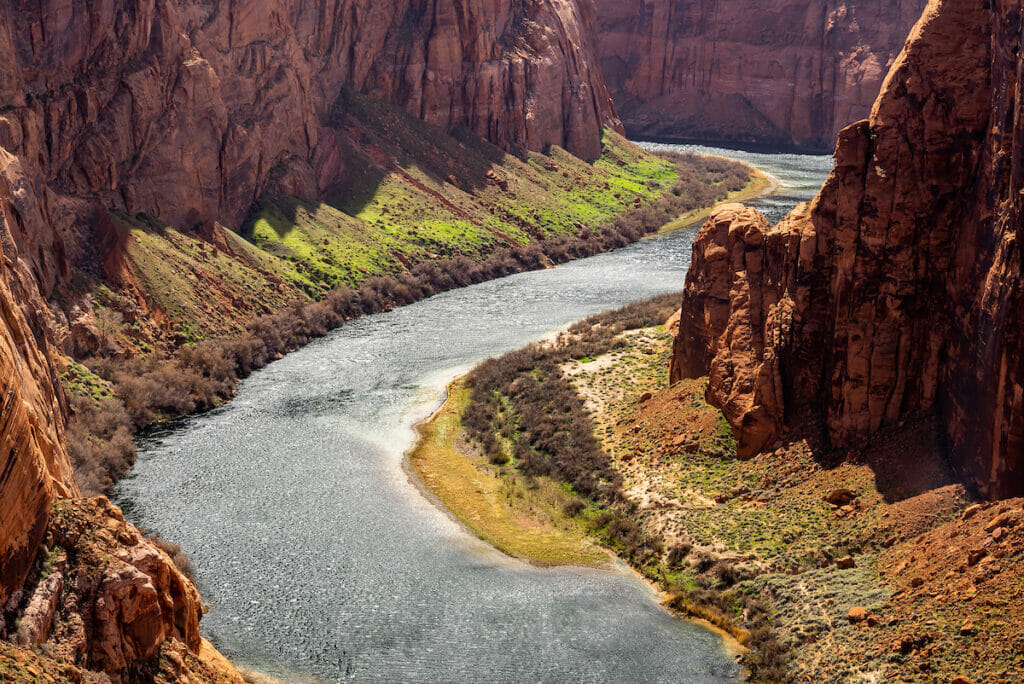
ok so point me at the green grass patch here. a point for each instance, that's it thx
(517, 516)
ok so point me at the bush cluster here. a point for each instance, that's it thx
(524, 410)
(164, 386)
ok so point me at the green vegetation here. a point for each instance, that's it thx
(409, 193)
(519, 517)
(531, 418)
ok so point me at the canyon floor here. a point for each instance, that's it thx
(876, 564)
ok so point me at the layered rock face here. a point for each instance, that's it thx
(34, 466)
(898, 289)
(780, 73)
(187, 110)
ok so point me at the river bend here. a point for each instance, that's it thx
(319, 558)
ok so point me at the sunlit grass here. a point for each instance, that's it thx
(517, 517)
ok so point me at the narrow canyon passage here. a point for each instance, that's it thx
(320, 559)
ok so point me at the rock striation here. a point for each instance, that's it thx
(34, 465)
(189, 110)
(787, 73)
(898, 289)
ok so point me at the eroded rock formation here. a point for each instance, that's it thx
(898, 289)
(34, 466)
(106, 599)
(782, 72)
(187, 110)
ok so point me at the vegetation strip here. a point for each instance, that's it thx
(114, 394)
(527, 422)
(518, 518)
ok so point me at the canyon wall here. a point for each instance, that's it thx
(189, 110)
(34, 465)
(784, 73)
(898, 289)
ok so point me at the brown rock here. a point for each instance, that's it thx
(645, 397)
(128, 602)
(846, 562)
(858, 614)
(1003, 520)
(971, 511)
(975, 555)
(672, 324)
(840, 497)
(35, 467)
(961, 680)
(774, 72)
(830, 313)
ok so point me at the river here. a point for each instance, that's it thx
(322, 561)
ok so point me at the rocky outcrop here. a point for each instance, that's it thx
(898, 290)
(34, 466)
(780, 73)
(106, 599)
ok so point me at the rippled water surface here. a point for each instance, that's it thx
(321, 560)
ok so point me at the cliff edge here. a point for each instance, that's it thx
(898, 289)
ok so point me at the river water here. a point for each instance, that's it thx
(321, 561)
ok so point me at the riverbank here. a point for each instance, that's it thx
(522, 520)
(759, 186)
(860, 568)
(519, 424)
(335, 410)
(530, 520)
(628, 194)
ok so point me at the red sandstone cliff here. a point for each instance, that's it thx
(189, 111)
(898, 289)
(34, 465)
(184, 109)
(782, 72)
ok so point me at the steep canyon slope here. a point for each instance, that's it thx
(898, 289)
(181, 115)
(780, 73)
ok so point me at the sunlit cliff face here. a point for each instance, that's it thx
(898, 290)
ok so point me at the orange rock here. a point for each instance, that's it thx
(830, 313)
(774, 72)
(858, 614)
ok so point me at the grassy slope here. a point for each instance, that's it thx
(409, 192)
(769, 514)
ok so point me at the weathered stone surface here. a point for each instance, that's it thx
(188, 110)
(123, 604)
(898, 289)
(781, 72)
(34, 466)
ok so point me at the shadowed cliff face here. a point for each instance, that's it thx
(782, 72)
(898, 289)
(189, 110)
